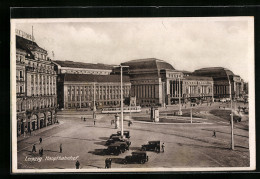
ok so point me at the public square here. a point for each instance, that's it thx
(186, 144)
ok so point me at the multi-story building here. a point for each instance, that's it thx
(223, 79)
(199, 87)
(78, 90)
(35, 85)
(70, 67)
(156, 82)
(77, 82)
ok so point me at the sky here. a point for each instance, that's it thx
(185, 43)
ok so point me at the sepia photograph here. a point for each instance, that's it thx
(132, 94)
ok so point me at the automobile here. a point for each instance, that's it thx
(114, 149)
(126, 134)
(117, 138)
(151, 146)
(123, 146)
(136, 157)
(237, 118)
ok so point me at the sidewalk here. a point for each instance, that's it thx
(34, 133)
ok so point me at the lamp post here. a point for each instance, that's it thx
(232, 122)
(94, 107)
(180, 112)
(122, 107)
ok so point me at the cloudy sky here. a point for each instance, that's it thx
(186, 43)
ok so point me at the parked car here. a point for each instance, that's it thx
(126, 134)
(136, 157)
(114, 149)
(152, 146)
(117, 138)
(123, 146)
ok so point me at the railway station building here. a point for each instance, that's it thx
(223, 78)
(156, 82)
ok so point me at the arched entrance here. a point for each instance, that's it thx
(48, 118)
(34, 121)
(41, 120)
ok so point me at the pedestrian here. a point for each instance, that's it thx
(34, 148)
(41, 151)
(163, 146)
(77, 164)
(84, 119)
(40, 139)
(60, 148)
(110, 162)
(129, 123)
(106, 163)
(214, 134)
(94, 122)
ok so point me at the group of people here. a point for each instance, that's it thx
(108, 163)
(41, 149)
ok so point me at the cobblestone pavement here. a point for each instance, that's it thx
(187, 145)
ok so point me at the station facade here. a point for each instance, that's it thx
(36, 97)
(156, 82)
(223, 79)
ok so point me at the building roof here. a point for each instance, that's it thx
(214, 72)
(202, 78)
(27, 45)
(22, 44)
(94, 78)
(72, 64)
(148, 64)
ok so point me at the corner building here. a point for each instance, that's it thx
(36, 98)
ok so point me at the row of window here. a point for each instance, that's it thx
(101, 97)
(84, 105)
(85, 72)
(33, 105)
(43, 91)
(42, 79)
(174, 75)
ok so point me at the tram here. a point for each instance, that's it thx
(132, 109)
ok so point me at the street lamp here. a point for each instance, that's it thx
(232, 122)
(122, 107)
(94, 107)
(180, 112)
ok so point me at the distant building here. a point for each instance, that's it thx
(199, 87)
(36, 98)
(78, 90)
(147, 84)
(70, 67)
(156, 82)
(223, 80)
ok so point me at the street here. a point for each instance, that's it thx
(186, 144)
